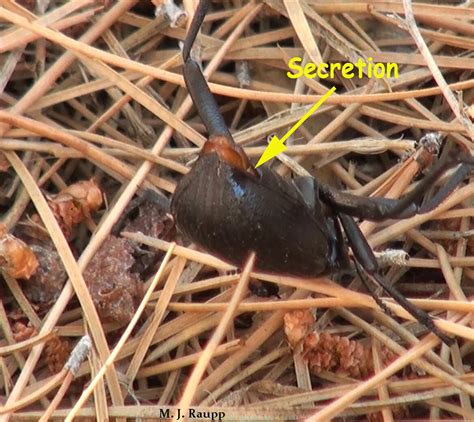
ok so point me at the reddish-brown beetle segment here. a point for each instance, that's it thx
(229, 152)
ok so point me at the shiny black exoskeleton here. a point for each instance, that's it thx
(230, 213)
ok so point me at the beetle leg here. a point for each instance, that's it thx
(377, 209)
(204, 101)
(198, 19)
(197, 86)
(366, 283)
(365, 256)
(342, 252)
(220, 139)
(308, 189)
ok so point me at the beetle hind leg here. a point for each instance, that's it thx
(365, 257)
(366, 283)
(377, 209)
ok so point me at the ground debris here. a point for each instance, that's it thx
(115, 290)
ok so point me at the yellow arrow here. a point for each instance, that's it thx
(278, 145)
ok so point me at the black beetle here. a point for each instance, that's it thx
(229, 208)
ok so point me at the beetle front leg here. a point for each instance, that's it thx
(365, 256)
